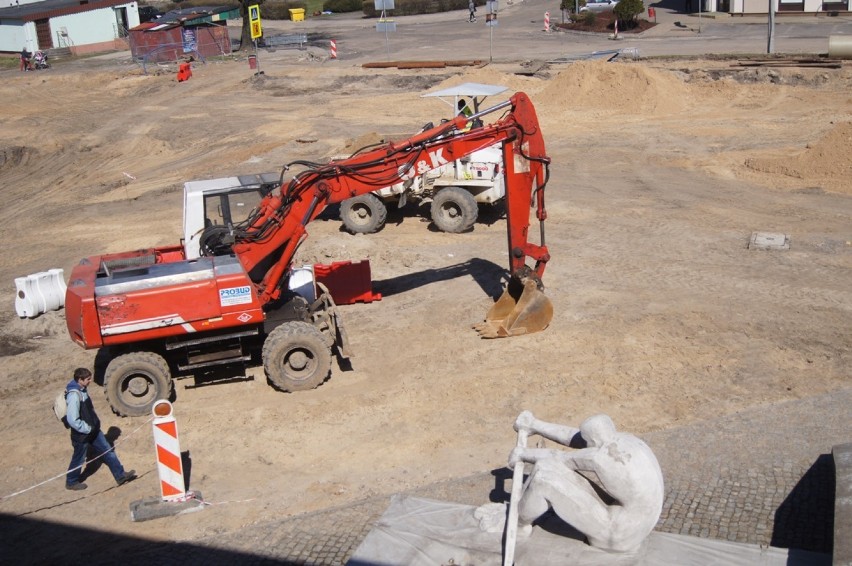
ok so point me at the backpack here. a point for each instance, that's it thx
(60, 407)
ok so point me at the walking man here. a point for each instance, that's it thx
(471, 6)
(86, 431)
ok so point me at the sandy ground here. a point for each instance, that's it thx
(661, 172)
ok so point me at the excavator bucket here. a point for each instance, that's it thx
(522, 309)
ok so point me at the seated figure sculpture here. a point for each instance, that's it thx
(625, 467)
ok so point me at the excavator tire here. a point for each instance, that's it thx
(454, 210)
(363, 214)
(296, 357)
(134, 381)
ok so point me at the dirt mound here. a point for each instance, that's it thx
(614, 87)
(826, 163)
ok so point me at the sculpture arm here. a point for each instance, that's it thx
(584, 460)
(551, 431)
(532, 455)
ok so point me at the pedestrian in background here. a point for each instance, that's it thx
(471, 6)
(25, 60)
(86, 431)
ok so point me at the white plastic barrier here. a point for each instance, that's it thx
(39, 293)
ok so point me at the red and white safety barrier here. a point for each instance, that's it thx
(333, 48)
(169, 463)
(547, 21)
(616, 27)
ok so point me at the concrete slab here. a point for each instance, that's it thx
(155, 508)
(769, 241)
(421, 532)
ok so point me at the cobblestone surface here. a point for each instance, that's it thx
(761, 477)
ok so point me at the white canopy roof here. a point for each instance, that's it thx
(468, 89)
(475, 91)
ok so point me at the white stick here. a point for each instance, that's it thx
(512, 519)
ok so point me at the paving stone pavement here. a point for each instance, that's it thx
(763, 476)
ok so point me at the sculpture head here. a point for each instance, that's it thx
(597, 430)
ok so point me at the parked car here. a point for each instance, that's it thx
(598, 5)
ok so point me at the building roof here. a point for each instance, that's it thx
(52, 8)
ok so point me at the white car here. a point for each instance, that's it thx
(598, 5)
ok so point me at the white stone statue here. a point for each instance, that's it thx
(625, 467)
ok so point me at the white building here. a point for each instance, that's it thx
(80, 25)
(744, 7)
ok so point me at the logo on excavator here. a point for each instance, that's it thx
(235, 296)
(436, 159)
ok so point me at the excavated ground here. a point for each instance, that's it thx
(661, 172)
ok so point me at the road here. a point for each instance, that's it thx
(520, 35)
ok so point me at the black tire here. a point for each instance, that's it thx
(296, 357)
(454, 210)
(363, 214)
(134, 381)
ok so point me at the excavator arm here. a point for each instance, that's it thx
(267, 241)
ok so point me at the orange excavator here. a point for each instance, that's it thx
(155, 313)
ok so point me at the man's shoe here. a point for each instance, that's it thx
(79, 486)
(128, 476)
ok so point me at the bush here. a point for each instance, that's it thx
(278, 10)
(587, 18)
(340, 6)
(626, 11)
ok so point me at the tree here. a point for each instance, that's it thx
(245, 35)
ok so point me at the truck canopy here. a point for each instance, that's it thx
(477, 92)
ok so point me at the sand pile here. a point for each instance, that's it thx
(614, 87)
(826, 163)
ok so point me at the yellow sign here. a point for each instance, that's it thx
(254, 21)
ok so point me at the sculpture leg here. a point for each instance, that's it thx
(552, 484)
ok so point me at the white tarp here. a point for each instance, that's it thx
(423, 532)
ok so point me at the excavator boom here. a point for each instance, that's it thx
(267, 241)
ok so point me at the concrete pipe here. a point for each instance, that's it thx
(840, 46)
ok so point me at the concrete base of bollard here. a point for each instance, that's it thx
(155, 508)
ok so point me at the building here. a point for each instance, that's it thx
(744, 7)
(82, 26)
(199, 31)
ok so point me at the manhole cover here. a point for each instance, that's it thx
(769, 241)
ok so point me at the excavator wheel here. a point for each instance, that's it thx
(523, 308)
(454, 210)
(134, 381)
(296, 357)
(363, 214)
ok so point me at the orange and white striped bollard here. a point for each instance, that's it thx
(547, 21)
(333, 47)
(169, 463)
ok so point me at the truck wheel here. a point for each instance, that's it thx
(296, 357)
(363, 214)
(134, 381)
(454, 210)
